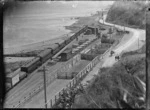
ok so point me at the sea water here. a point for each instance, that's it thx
(35, 21)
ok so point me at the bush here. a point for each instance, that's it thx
(128, 13)
(110, 85)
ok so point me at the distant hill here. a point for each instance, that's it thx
(128, 13)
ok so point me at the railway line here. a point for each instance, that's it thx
(35, 79)
(33, 103)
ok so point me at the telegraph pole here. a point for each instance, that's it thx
(124, 27)
(138, 42)
(45, 87)
(147, 63)
(102, 16)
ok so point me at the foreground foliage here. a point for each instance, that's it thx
(115, 87)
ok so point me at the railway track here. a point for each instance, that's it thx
(24, 88)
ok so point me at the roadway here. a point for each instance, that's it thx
(132, 43)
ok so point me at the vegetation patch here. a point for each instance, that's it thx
(110, 86)
(128, 13)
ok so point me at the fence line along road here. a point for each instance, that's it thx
(78, 77)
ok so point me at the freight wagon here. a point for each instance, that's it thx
(55, 48)
(22, 75)
(12, 79)
(32, 65)
(72, 37)
(62, 44)
(45, 55)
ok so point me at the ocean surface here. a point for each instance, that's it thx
(31, 22)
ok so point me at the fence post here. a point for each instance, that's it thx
(73, 81)
(81, 74)
(55, 98)
(51, 103)
(66, 75)
(59, 94)
(70, 85)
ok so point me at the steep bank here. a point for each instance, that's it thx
(128, 13)
(111, 84)
(118, 86)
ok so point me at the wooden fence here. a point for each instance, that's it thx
(49, 80)
(77, 78)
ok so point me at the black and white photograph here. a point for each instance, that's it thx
(76, 54)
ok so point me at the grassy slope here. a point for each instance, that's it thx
(108, 87)
(131, 14)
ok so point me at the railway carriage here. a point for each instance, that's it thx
(55, 48)
(31, 66)
(45, 55)
(67, 41)
(62, 44)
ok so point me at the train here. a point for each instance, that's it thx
(49, 53)
(39, 59)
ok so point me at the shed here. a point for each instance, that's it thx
(66, 55)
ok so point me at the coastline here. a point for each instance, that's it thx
(79, 22)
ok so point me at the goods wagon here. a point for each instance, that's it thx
(55, 48)
(72, 37)
(62, 44)
(12, 78)
(22, 75)
(45, 55)
(8, 86)
(75, 35)
(67, 41)
(31, 66)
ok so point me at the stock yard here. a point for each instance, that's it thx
(59, 83)
(23, 94)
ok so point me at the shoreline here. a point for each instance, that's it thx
(79, 21)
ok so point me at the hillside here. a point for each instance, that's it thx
(127, 13)
(110, 86)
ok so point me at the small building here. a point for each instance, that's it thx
(66, 55)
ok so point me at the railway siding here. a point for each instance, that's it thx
(76, 80)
